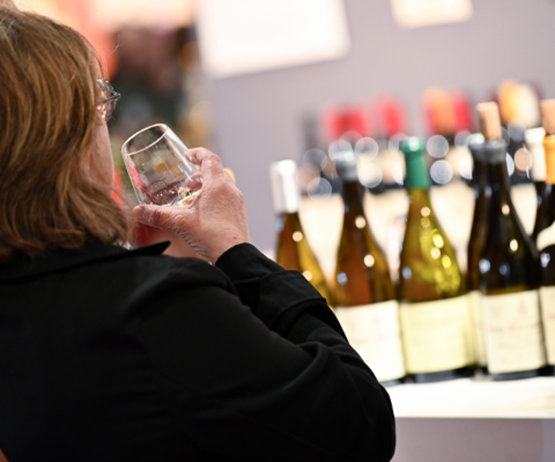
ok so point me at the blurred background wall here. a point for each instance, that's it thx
(257, 118)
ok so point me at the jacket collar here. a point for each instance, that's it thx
(22, 267)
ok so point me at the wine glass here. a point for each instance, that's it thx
(160, 167)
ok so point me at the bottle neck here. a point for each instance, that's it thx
(287, 222)
(417, 177)
(287, 201)
(480, 175)
(480, 169)
(498, 174)
(419, 198)
(352, 193)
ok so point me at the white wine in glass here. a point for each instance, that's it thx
(160, 167)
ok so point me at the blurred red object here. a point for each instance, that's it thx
(464, 120)
(447, 113)
(392, 116)
(439, 111)
(351, 121)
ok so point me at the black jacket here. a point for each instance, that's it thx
(115, 355)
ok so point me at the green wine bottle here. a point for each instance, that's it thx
(292, 249)
(482, 193)
(546, 237)
(365, 296)
(509, 269)
(434, 307)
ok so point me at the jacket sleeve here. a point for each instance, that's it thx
(264, 372)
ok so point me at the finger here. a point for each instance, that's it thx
(169, 218)
(199, 154)
(194, 181)
(210, 164)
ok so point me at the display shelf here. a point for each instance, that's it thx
(476, 398)
(476, 420)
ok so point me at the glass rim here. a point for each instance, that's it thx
(165, 129)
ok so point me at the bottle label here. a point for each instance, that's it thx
(373, 331)
(513, 334)
(546, 237)
(477, 328)
(547, 301)
(436, 335)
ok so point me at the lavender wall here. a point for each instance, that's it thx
(257, 117)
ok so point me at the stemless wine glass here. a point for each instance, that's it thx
(160, 167)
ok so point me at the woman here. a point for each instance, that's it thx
(108, 354)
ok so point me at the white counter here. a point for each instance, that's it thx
(469, 398)
(475, 421)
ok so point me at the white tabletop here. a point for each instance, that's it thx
(476, 398)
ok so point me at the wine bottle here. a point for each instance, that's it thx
(534, 142)
(482, 192)
(292, 250)
(364, 293)
(546, 237)
(434, 307)
(509, 269)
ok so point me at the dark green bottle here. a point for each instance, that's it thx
(509, 270)
(482, 194)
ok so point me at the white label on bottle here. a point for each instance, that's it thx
(373, 331)
(513, 334)
(477, 328)
(436, 335)
(547, 299)
(546, 237)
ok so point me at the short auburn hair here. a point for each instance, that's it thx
(49, 97)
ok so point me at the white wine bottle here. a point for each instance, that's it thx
(509, 269)
(365, 296)
(546, 237)
(292, 249)
(434, 307)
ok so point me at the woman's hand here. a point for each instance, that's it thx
(216, 219)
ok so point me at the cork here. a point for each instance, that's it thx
(490, 122)
(547, 111)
